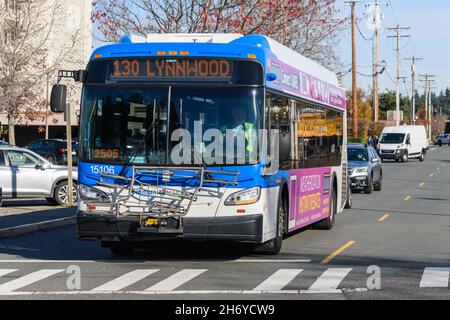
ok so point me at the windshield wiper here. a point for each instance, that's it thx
(138, 148)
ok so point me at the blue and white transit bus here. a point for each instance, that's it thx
(207, 137)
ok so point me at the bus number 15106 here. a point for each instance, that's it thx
(96, 169)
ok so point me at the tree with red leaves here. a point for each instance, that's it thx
(307, 26)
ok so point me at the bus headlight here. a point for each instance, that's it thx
(247, 196)
(92, 194)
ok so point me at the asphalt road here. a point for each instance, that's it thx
(401, 234)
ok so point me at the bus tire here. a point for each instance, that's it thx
(328, 223)
(349, 202)
(273, 247)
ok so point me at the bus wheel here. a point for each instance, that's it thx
(121, 249)
(273, 247)
(328, 223)
(348, 203)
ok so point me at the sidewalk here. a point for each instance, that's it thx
(20, 217)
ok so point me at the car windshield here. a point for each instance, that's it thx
(126, 124)
(392, 138)
(358, 154)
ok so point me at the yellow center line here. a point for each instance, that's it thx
(421, 184)
(338, 251)
(408, 198)
(384, 217)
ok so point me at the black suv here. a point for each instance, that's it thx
(54, 150)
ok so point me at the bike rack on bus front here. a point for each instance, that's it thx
(164, 207)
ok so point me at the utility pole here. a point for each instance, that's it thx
(413, 80)
(376, 22)
(428, 108)
(354, 95)
(398, 35)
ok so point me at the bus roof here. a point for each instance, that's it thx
(296, 74)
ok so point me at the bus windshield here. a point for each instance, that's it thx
(140, 124)
(392, 138)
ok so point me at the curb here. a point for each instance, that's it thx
(36, 227)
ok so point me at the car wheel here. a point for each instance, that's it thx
(61, 193)
(328, 223)
(378, 186)
(405, 157)
(439, 143)
(51, 159)
(369, 188)
(422, 157)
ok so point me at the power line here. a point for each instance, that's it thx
(398, 29)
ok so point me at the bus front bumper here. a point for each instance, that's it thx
(109, 228)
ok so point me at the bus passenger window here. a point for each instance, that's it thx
(279, 112)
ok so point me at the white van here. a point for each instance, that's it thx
(401, 143)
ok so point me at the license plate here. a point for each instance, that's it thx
(74, 153)
(151, 222)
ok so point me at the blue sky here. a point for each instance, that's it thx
(430, 39)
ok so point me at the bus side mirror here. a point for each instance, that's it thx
(58, 98)
(270, 76)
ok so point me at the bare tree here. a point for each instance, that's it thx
(29, 52)
(307, 26)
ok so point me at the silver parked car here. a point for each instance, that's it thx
(25, 174)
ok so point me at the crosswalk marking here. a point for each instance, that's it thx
(329, 280)
(278, 280)
(28, 279)
(4, 272)
(435, 278)
(126, 280)
(176, 280)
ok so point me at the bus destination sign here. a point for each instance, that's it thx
(173, 69)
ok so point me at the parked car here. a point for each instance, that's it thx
(3, 143)
(25, 174)
(401, 143)
(54, 150)
(365, 168)
(443, 138)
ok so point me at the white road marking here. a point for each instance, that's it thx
(278, 280)
(329, 280)
(4, 272)
(176, 280)
(177, 292)
(28, 279)
(125, 280)
(435, 278)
